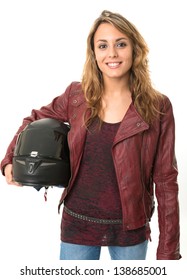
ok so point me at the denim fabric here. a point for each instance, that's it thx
(71, 251)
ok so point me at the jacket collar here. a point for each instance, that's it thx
(131, 124)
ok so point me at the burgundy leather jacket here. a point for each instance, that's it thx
(143, 155)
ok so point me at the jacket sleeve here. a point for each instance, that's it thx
(166, 187)
(57, 109)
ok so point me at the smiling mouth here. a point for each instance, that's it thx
(113, 64)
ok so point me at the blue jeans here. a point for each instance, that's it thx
(71, 251)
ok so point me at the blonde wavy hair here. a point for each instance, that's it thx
(145, 97)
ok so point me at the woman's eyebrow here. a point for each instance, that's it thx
(119, 39)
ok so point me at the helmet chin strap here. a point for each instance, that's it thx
(45, 193)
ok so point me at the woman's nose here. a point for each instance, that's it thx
(112, 52)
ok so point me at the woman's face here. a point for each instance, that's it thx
(113, 52)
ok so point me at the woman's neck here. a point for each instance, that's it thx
(116, 100)
(116, 88)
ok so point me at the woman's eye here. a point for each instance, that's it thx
(121, 45)
(102, 46)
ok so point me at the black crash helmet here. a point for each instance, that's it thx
(41, 155)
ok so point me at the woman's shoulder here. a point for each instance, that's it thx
(164, 104)
(75, 87)
(165, 101)
(72, 90)
(75, 94)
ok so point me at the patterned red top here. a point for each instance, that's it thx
(96, 194)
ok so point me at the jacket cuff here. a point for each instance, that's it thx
(161, 256)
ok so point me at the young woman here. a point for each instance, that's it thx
(121, 143)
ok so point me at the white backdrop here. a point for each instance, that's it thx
(42, 50)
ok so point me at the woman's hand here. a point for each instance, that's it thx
(9, 177)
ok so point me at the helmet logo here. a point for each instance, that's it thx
(31, 167)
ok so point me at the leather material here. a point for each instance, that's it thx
(143, 156)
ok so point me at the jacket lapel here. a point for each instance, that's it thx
(131, 124)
